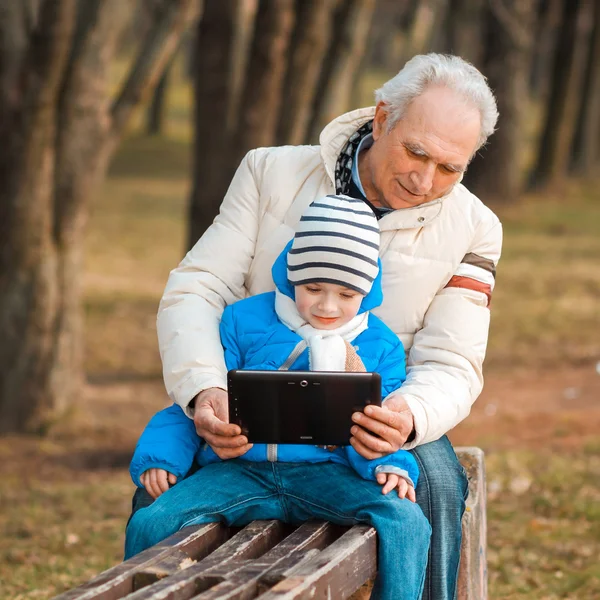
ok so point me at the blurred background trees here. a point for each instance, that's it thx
(262, 72)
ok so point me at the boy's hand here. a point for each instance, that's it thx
(211, 417)
(156, 481)
(391, 481)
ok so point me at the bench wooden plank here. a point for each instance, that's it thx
(472, 575)
(252, 541)
(335, 572)
(270, 568)
(190, 543)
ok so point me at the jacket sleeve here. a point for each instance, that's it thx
(169, 442)
(392, 367)
(401, 462)
(444, 371)
(229, 339)
(211, 276)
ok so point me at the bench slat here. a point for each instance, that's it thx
(252, 541)
(264, 572)
(192, 542)
(337, 571)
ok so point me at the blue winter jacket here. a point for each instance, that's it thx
(253, 337)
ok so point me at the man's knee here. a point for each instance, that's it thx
(442, 480)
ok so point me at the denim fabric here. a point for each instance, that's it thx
(441, 494)
(237, 492)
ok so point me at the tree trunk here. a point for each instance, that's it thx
(388, 34)
(155, 123)
(546, 38)
(464, 26)
(495, 175)
(58, 132)
(586, 146)
(567, 74)
(29, 295)
(213, 93)
(352, 24)
(261, 100)
(309, 44)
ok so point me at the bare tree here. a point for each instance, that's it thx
(586, 145)
(351, 27)
(312, 34)
(221, 140)
(496, 175)
(213, 90)
(464, 29)
(567, 78)
(59, 129)
(546, 38)
(155, 118)
(261, 99)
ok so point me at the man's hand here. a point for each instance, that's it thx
(157, 481)
(211, 418)
(382, 430)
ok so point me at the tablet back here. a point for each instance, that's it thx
(299, 407)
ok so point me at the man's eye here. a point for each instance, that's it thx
(447, 170)
(414, 153)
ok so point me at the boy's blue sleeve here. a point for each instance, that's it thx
(229, 339)
(169, 442)
(401, 462)
(392, 367)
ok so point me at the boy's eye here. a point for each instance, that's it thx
(312, 290)
(347, 296)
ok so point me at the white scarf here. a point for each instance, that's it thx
(326, 347)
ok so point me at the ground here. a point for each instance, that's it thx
(534, 425)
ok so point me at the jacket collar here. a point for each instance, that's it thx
(334, 137)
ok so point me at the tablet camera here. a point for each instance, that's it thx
(303, 383)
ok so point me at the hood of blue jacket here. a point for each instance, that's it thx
(279, 271)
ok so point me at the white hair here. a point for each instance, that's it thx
(453, 72)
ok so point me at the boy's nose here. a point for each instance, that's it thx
(328, 305)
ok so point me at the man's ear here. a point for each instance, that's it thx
(380, 120)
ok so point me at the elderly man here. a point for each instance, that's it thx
(439, 248)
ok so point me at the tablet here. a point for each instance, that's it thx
(299, 407)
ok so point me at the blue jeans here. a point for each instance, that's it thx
(441, 494)
(236, 492)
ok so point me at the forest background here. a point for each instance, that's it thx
(122, 122)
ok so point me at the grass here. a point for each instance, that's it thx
(65, 499)
(544, 525)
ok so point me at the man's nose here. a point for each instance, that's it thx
(422, 179)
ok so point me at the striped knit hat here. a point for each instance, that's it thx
(336, 241)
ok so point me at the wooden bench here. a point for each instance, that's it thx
(273, 561)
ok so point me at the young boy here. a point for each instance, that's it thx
(327, 280)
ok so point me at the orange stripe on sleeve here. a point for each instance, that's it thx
(459, 281)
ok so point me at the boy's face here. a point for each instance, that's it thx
(327, 305)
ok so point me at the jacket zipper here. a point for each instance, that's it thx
(296, 352)
(272, 452)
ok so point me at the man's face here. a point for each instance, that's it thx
(424, 154)
(327, 305)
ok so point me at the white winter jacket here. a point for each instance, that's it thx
(438, 273)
